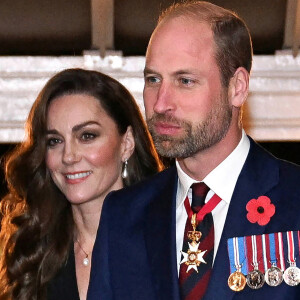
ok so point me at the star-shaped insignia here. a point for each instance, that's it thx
(194, 257)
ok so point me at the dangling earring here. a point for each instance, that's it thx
(125, 171)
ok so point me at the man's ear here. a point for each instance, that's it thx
(128, 144)
(238, 87)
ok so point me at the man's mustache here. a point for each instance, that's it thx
(157, 117)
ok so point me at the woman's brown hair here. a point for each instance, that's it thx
(37, 223)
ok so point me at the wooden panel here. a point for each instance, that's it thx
(32, 27)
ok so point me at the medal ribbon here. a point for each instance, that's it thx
(206, 209)
(254, 252)
(298, 233)
(291, 249)
(259, 248)
(236, 250)
(296, 245)
(279, 249)
(273, 258)
(266, 251)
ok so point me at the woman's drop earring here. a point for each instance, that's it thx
(125, 171)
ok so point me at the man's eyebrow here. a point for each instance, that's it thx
(176, 73)
(186, 71)
(149, 71)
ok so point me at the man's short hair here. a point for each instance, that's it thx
(231, 35)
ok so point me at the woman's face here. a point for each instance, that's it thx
(85, 151)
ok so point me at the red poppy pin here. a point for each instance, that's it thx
(260, 210)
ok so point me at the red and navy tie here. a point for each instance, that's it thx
(192, 284)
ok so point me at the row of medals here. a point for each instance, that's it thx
(274, 276)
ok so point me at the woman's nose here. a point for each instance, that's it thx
(71, 154)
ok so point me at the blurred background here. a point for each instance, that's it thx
(81, 29)
(55, 27)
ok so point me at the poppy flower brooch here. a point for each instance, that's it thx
(260, 210)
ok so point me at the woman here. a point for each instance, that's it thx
(85, 138)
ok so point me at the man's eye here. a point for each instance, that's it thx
(186, 81)
(51, 142)
(152, 79)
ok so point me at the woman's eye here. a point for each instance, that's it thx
(51, 142)
(88, 136)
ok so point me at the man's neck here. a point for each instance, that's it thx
(202, 163)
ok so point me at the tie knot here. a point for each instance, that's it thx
(199, 192)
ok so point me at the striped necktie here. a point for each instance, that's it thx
(192, 284)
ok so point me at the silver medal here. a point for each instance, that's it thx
(255, 279)
(274, 276)
(291, 275)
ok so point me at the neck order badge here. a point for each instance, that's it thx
(196, 264)
(194, 257)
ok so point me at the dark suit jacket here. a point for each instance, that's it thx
(135, 251)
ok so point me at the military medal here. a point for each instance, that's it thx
(236, 280)
(194, 256)
(291, 275)
(255, 278)
(274, 275)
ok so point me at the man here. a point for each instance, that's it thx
(153, 241)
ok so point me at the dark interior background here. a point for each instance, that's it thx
(63, 27)
(56, 27)
(265, 19)
(44, 27)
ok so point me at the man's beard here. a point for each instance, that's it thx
(201, 137)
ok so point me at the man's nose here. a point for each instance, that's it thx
(165, 99)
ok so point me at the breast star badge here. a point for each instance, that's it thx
(194, 257)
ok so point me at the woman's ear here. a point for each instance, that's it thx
(238, 87)
(128, 144)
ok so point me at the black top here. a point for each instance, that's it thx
(64, 285)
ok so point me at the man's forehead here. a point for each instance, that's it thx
(180, 36)
(180, 28)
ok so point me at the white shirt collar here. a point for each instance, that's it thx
(223, 178)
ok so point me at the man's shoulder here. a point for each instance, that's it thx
(257, 150)
(287, 171)
(146, 188)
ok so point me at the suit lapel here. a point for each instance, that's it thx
(160, 237)
(259, 174)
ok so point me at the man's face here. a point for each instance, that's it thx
(187, 108)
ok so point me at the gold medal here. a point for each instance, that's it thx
(193, 257)
(237, 281)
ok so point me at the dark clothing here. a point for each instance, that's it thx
(64, 285)
(134, 256)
